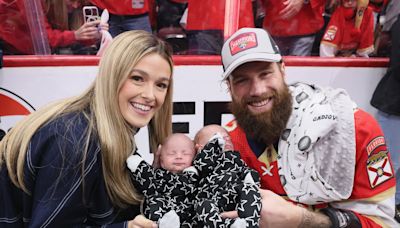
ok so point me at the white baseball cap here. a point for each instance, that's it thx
(248, 45)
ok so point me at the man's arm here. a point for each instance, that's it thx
(277, 212)
(314, 219)
(372, 199)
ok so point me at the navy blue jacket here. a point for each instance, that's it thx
(60, 197)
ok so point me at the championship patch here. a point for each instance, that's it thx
(243, 42)
(379, 169)
(330, 33)
(375, 143)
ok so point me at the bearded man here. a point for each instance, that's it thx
(323, 160)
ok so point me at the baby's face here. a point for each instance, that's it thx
(228, 141)
(177, 154)
(210, 132)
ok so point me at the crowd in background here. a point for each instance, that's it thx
(300, 27)
(326, 28)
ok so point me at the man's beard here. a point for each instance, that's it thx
(264, 127)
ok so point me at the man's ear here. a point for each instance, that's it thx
(282, 68)
(228, 84)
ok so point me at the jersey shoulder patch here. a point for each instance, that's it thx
(330, 33)
(379, 169)
(231, 126)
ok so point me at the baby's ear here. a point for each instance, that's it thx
(197, 147)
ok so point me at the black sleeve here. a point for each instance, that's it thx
(341, 218)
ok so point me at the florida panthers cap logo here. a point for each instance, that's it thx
(243, 42)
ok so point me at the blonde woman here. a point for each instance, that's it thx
(64, 165)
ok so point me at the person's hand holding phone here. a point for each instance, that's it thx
(88, 31)
(92, 26)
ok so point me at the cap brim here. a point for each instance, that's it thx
(265, 57)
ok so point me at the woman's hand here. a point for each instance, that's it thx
(141, 222)
(88, 31)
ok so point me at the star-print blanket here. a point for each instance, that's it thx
(218, 181)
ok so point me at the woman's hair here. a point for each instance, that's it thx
(56, 12)
(99, 103)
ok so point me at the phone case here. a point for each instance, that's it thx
(90, 13)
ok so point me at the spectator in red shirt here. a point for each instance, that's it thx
(342, 38)
(293, 24)
(205, 24)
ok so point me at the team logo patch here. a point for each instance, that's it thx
(375, 143)
(379, 169)
(330, 33)
(243, 42)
